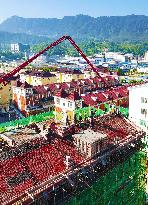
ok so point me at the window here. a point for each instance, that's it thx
(58, 101)
(69, 104)
(83, 146)
(144, 100)
(64, 104)
(144, 112)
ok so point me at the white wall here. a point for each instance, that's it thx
(136, 94)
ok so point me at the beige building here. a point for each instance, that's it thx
(90, 143)
(36, 78)
(68, 75)
(6, 94)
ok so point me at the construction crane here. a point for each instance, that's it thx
(5, 78)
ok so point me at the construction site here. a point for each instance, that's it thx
(100, 160)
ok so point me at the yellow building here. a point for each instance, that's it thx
(77, 75)
(65, 105)
(36, 78)
(6, 94)
(68, 75)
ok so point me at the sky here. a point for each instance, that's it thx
(61, 8)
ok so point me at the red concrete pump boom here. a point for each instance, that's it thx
(6, 77)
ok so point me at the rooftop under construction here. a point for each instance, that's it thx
(98, 161)
(58, 168)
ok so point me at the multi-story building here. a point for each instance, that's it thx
(65, 105)
(6, 93)
(32, 100)
(66, 75)
(138, 105)
(36, 78)
(146, 56)
(19, 47)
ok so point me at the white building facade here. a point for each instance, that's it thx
(138, 107)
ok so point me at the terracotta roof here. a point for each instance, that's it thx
(111, 78)
(74, 96)
(25, 85)
(40, 89)
(112, 94)
(73, 84)
(53, 87)
(88, 81)
(61, 93)
(102, 97)
(64, 85)
(22, 85)
(88, 100)
(123, 91)
(41, 74)
(97, 79)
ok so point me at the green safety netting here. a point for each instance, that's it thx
(118, 186)
(26, 121)
(87, 111)
(81, 113)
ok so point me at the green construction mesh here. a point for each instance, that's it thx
(123, 185)
(26, 121)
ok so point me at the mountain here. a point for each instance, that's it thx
(113, 28)
(7, 38)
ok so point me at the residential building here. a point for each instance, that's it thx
(138, 105)
(65, 105)
(67, 75)
(19, 47)
(32, 99)
(146, 57)
(6, 93)
(36, 78)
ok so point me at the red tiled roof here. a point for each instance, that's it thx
(54, 86)
(123, 91)
(74, 96)
(42, 74)
(64, 85)
(73, 84)
(40, 89)
(102, 97)
(112, 93)
(111, 78)
(97, 79)
(61, 93)
(89, 101)
(88, 81)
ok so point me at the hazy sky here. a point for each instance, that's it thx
(60, 8)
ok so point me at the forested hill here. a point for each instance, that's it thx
(114, 28)
(7, 38)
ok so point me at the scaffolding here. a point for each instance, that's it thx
(124, 184)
